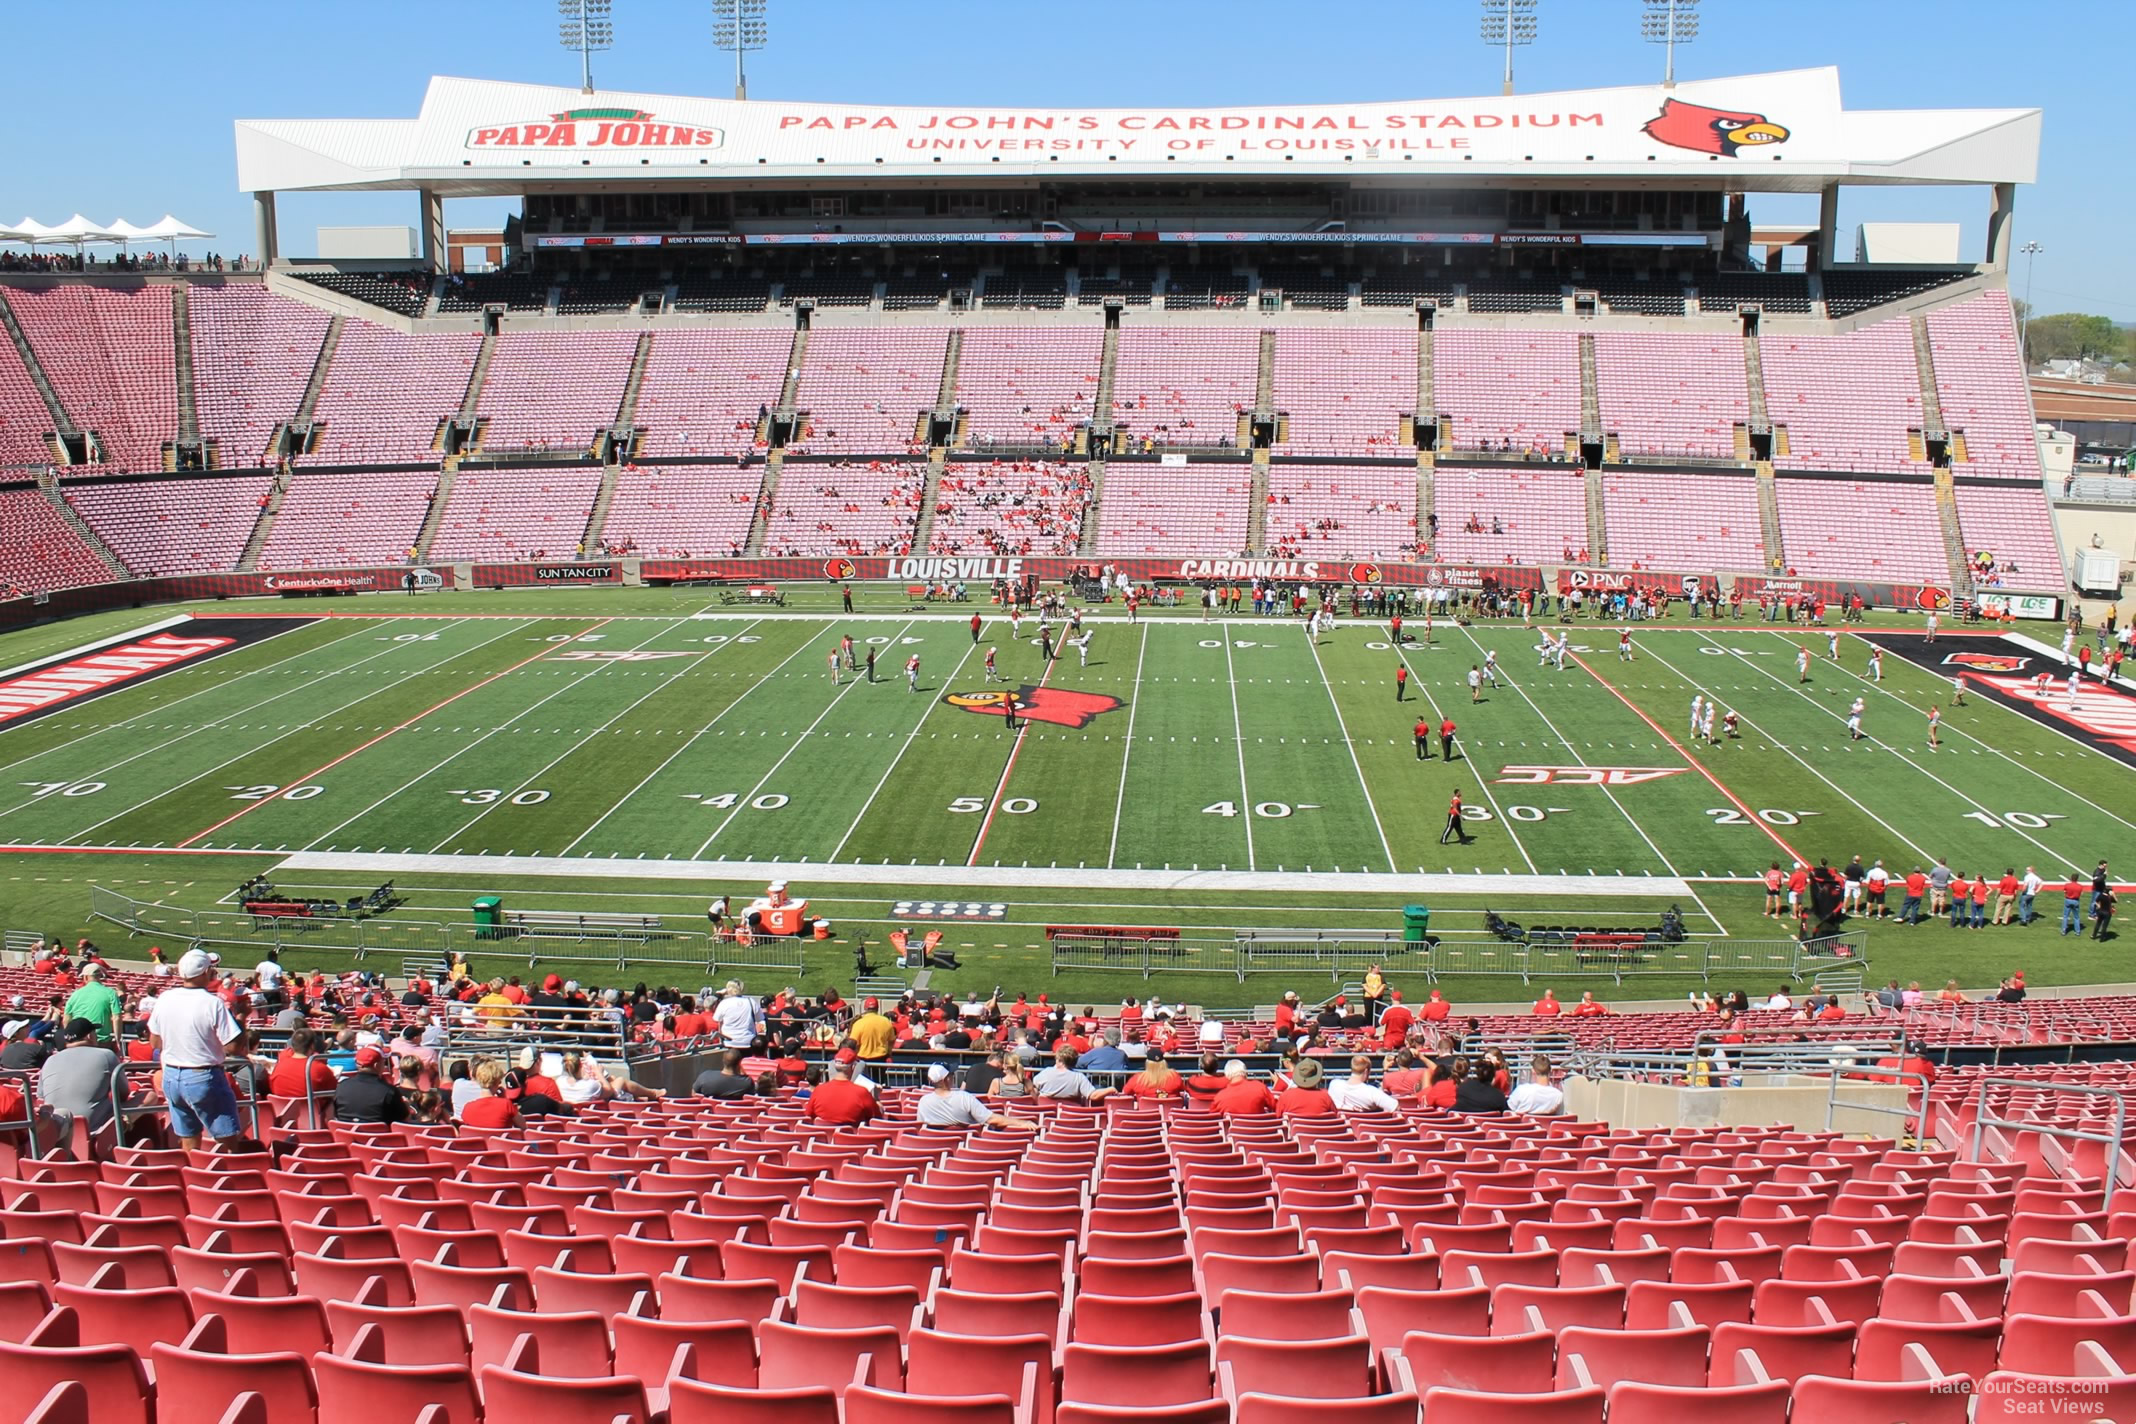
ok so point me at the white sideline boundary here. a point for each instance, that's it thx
(934, 877)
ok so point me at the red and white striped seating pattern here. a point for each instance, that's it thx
(39, 550)
(554, 390)
(683, 511)
(110, 354)
(1541, 510)
(1980, 385)
(349, 519)
(173, 526)
(506, 514)
(1342, 511)
(865, 389)
(1516, 390)
(1672, 393)
(253, 356)
(1185, 385)
(1847, 401)
(1027, 385)
(1702, 523)
(1850, 529)
(703, 390)
(1175, 510)
(1346, 392)
(846, 507)
(1012, 508)
(386, 392)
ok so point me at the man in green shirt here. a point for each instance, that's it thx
(97, 1002)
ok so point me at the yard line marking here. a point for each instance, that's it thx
(1553, 729)
(546, 649)
(1689, 760)
(1313, 644)
(1009, 767)
(1917, 766)
(910, 737)
(806, 645)
(798, 743)
(1238, 736)
(257, 747)
(1957, 731)
(1483, 783)
(1112, 852)
(665, 681)
(1808, 766)
(218, 687)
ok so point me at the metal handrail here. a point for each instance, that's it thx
(1877, 1075)
(1982, 1122)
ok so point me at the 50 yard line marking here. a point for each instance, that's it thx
(910, 737)
(799, 742)
(1112, 852)
(547, 648)
(993, 806)
(1313, 645)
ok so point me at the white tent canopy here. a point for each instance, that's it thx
(35, 231)
(169, 229)
(78, 230)
(125, 231)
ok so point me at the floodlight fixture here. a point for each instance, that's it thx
(1507, 23)
(1669, 23)
(583, 25)
(2030, 252)
(740, 26)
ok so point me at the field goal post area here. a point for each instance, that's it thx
(1343, 955)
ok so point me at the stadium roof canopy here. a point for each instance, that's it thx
(1765, 132)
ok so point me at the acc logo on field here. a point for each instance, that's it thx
(1039, 704)
(617, 656)
(1365, 573)
(1987, 662)
(839, 569)
(1584, 775)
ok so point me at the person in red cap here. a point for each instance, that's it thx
(872, 1033)
(367, 1094)
(1394, 1024)
(1435, 1008)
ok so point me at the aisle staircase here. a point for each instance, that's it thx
(1590, 393)
(1597, 521)
(53, 408)
(263, 527)
(51, 490)
(1257, 513)
(767, 497)
(1088, 543)
(1953, 535)
(1769, 515)
(182, 351)
(435, 519)
(597, 517)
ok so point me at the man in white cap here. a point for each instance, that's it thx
(950, 1106)
(17, 1051)
(191, 1030)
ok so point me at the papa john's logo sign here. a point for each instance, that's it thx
(1057, 705)
(1726, 132)
(633, 129)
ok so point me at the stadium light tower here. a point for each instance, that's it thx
(1507, 23)
(738, 25)
(1670, 23)
(584, 26)
(2030, 252)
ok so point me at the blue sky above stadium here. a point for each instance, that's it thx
(141, 125)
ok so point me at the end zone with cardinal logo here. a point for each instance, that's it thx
(1058, 705)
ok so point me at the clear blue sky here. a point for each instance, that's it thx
(126, 113)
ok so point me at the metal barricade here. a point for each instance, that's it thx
(1982, 1122)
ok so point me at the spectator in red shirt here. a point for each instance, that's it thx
(1305, 1097)
(1241, 1096)
(1156, 1080)
(689, 1023)
(1435, 1008)
(1407, 1078)
(1446, 1076)
(1831, 1012)
(841, 1100)
(1548, 1007)
(289, 1075)
(1394, 1024)
(1287, 1013)
(492, 1109)
(1207, 1082)
(1588, 1008)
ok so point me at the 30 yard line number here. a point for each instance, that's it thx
(491, 795)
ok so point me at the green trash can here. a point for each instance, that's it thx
(1416, 922)
(489, 917)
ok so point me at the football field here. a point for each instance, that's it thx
(702, 743)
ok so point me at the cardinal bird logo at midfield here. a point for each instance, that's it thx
(1039, 704)
(1988, 662)
(1702, 130)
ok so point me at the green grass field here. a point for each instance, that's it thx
(1204, 774)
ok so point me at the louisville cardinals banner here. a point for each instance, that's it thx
(1910, 597)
